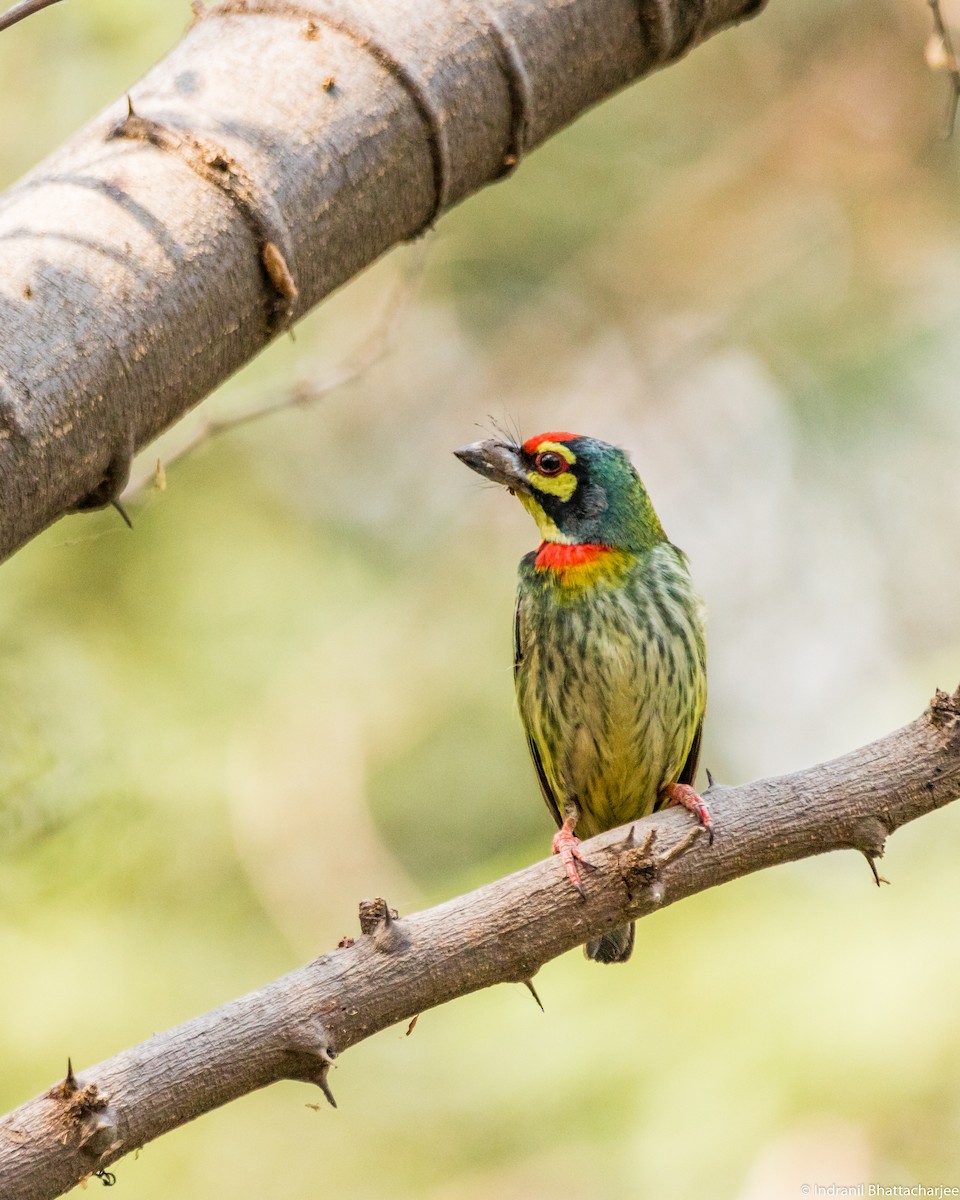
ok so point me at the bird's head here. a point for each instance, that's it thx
(578, 490)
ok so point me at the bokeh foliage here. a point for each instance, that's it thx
(290, 686)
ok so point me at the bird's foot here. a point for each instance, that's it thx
(567, 845)
(684, 796)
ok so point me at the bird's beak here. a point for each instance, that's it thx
(498, 461)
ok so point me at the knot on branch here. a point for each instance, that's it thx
(379, 921)
(642, 870)
(870, 835)
(256, 207)
(115, 476)
(88, 1117)
(312, 1053)
(945, 709)
(13, 420)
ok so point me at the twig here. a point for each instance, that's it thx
(19, 12)
(941, 57)
(297, 1026)
(304, 393)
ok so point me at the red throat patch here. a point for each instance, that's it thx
(531, 444)
(559, 556)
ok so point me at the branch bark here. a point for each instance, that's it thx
(281, 147)
(504, 932)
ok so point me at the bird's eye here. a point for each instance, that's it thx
(550, 463)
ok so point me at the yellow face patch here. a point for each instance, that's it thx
(562, 485)
(548, 529)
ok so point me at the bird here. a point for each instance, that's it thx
(609, 646)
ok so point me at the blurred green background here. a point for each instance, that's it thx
(745, 269)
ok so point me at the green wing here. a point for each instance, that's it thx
(545, 787)
(689, 772)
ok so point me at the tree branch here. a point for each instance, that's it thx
(19, 12)
(504, 932)
(281, 147)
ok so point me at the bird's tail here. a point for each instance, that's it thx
(613, 947)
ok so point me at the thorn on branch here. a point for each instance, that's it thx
(872, 862)
(528, 984)
(123, 513)
(67, 1087)
(326, 1054)
(324, 1086)
(630, 840)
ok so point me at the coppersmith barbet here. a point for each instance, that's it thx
(609, 651)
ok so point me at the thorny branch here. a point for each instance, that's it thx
(297, 1026)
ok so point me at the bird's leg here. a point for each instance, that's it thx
(684, 796)
(567, 845)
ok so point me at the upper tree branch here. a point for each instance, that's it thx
(281, 147)
(19, 12)
(294, 1027)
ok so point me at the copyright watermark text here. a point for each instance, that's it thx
(937, 1190)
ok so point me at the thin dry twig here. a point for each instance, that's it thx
(942, 57)
(19, 12)
(306, 392)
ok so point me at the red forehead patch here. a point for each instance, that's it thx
(531, 444)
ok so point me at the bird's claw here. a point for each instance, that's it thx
(684, 796)
(567, 845)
